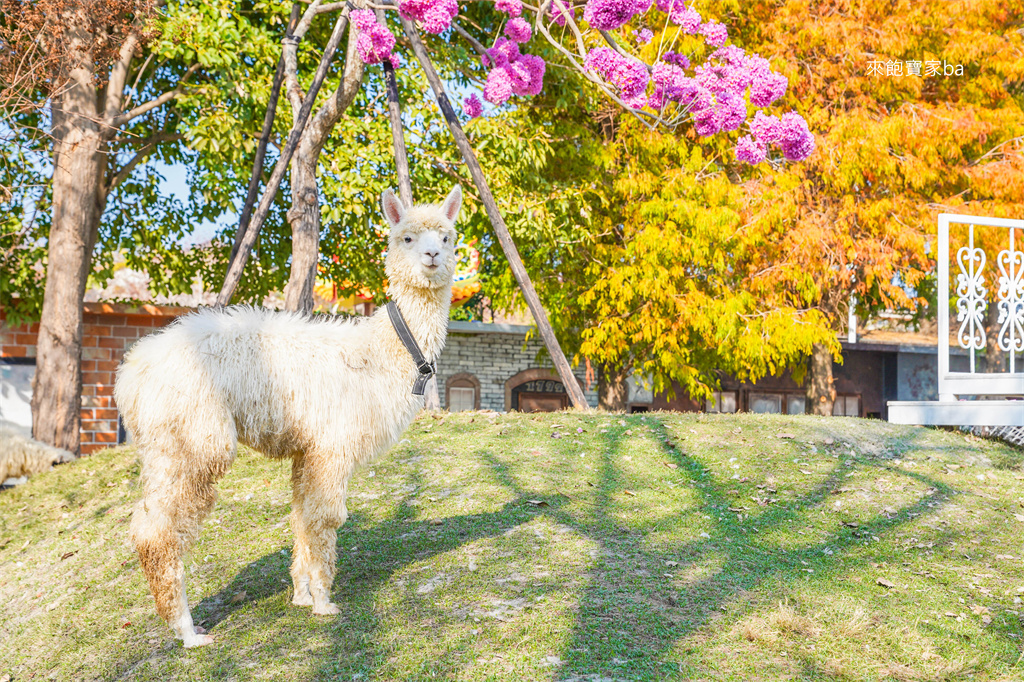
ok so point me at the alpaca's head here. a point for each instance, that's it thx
(421, 246)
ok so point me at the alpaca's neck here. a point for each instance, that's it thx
(426, 313)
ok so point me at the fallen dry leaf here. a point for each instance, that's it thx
(239, 597)
(670, 465)
(538, 503)
(784, 435)
(829, 441)
(630, 493)
(885, 583)
(68, 555)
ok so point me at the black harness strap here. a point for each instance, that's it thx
(426, 369)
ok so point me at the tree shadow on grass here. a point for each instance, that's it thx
(628, 621)
(631, 632)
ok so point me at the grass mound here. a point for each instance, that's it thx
(556, 547)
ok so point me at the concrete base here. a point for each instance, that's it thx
(958, 412)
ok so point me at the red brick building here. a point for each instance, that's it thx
(110, 329)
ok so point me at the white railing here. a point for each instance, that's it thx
(989, 265)
(977, 274)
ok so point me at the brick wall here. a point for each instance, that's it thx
(109, 330)
(491, 355)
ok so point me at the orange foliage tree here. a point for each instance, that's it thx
(894, 148)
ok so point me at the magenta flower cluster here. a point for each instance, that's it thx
(678, 13)
(628, 75)
(511, 73)
(518, 30)
(375, 42)
(555, 11)
(790, 133)
(513, 8)
(643, 36)
(606, 15)
(472, 106)
(435, 15)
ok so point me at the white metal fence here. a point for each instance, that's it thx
(986, 256)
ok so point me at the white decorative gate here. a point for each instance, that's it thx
(967, 396)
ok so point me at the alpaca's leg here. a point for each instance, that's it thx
(318, 511)
(300, 560)
(164, 526)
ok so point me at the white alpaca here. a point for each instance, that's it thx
(329, 394)
(23, 456)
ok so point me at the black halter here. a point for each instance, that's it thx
(426, 369)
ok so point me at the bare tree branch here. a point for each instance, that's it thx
(163, 99)
(290, 54)
(119, 76)
(477, 45)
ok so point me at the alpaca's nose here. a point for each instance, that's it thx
(432, 254)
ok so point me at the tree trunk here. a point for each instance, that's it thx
(612, 389)
(78, 201)
(304, 217)
(995, 359)
(820, 390)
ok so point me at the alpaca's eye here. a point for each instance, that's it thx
(408, 240)
(446, 240)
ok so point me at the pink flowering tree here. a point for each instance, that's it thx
(690, 75)
(659, 60)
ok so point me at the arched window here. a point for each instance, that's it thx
(462, 392)
(536, 390)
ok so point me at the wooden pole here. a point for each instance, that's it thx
(572, 387)
(234, 274)
(261, 150)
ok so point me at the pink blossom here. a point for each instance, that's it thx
(797, 140)
(643, 36)
(501, 54)
(472, 106)
(790, 133)
(766, 86)
(519, 30)
(375, 42)
(629, 75)
(679, 13)
(766, 128)
(396, 61)
(680, 60)
(672, 83)
(606, 15)
(715, 34)
(513, 8)
(527, 74)
(751, 150)
(435, 15)
(555, 10)
(511, 72)
(499, 86)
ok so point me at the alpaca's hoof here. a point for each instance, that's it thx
(197, 639)
(328, 609)
(302, 599)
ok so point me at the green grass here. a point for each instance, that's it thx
(557, 547)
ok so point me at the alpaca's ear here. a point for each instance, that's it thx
(452, 203)
(394, 211)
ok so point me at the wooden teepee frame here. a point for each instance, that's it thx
(248, 231)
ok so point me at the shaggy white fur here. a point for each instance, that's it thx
(329, 394)
(23, 456)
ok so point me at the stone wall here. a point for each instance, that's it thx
(494, 354)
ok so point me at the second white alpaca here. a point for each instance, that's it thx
(328, 394)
